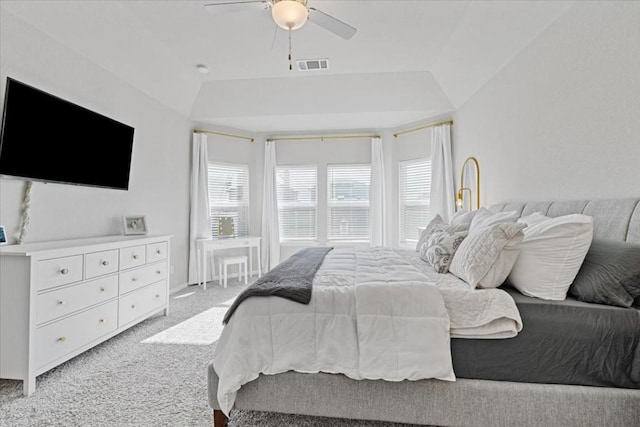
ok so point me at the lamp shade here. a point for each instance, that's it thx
(289, 14)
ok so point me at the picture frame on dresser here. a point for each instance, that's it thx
(3, 235)
(135, 224)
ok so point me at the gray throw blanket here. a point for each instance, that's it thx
(291, 279)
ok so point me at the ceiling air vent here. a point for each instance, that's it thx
(312, 64)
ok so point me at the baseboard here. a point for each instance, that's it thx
(178, 288)
(253, 275)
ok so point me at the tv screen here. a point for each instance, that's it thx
(45, 138)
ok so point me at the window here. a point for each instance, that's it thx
(297, 188)
(348, 202)
(229, 196)
(415, 187)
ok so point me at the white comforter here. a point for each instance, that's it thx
(373, 315)
(473, 313)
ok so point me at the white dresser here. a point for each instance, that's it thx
(59, 299)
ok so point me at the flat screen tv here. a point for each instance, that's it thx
(46, 138)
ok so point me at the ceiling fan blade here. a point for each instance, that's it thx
(234, 6)
(331, 24)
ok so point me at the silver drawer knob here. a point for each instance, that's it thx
(158, 252)
(105, 262)
(133, 279)
(158, 272)
(62, 339)
(135, 256)
(62, 302)
(64, 271)
(102, 289)
(103, 320)
(157, 295)
(133, 306)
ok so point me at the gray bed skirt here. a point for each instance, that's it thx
(464, 402)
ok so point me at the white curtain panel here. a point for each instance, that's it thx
(442, 181)
(270, 227)
(200, 216)
(377, 217)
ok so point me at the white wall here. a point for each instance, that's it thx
(561, 121)
(321, 102)
(159, 181)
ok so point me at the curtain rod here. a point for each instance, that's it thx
(322, 138)
(223, 134)
(446, 122)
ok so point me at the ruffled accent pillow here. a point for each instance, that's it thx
(487, 255)
(462, 217)
(440, 248)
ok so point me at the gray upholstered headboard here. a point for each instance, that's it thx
(616, 219)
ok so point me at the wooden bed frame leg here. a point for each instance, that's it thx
(219, 418)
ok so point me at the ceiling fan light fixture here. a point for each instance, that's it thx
(290, 14)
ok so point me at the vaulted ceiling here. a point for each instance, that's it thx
(409, 60)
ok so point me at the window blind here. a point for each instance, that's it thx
(415, 187)
(348, 202)
(297, 188)
(229, 196)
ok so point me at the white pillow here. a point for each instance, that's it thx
(462, 217)
(485, 257)
(436, 220)
(484, 218)
(551, 255)
(534, 218)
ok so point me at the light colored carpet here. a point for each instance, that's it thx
(154, 374)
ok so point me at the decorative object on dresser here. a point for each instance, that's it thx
(469, 163)
(135, 224)
(3, 236)
(60, 298)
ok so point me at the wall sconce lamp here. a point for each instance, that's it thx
(462, 189)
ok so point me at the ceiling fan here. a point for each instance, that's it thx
(287, 14)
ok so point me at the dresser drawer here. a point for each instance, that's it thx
(132, 256)
(61, 302)
(156, 251)
(101, 263)
(57, 339)
(59, 271)
(135, 279)
(138, 304)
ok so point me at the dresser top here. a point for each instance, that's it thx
(88, 244)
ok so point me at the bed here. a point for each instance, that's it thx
(497, 381)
